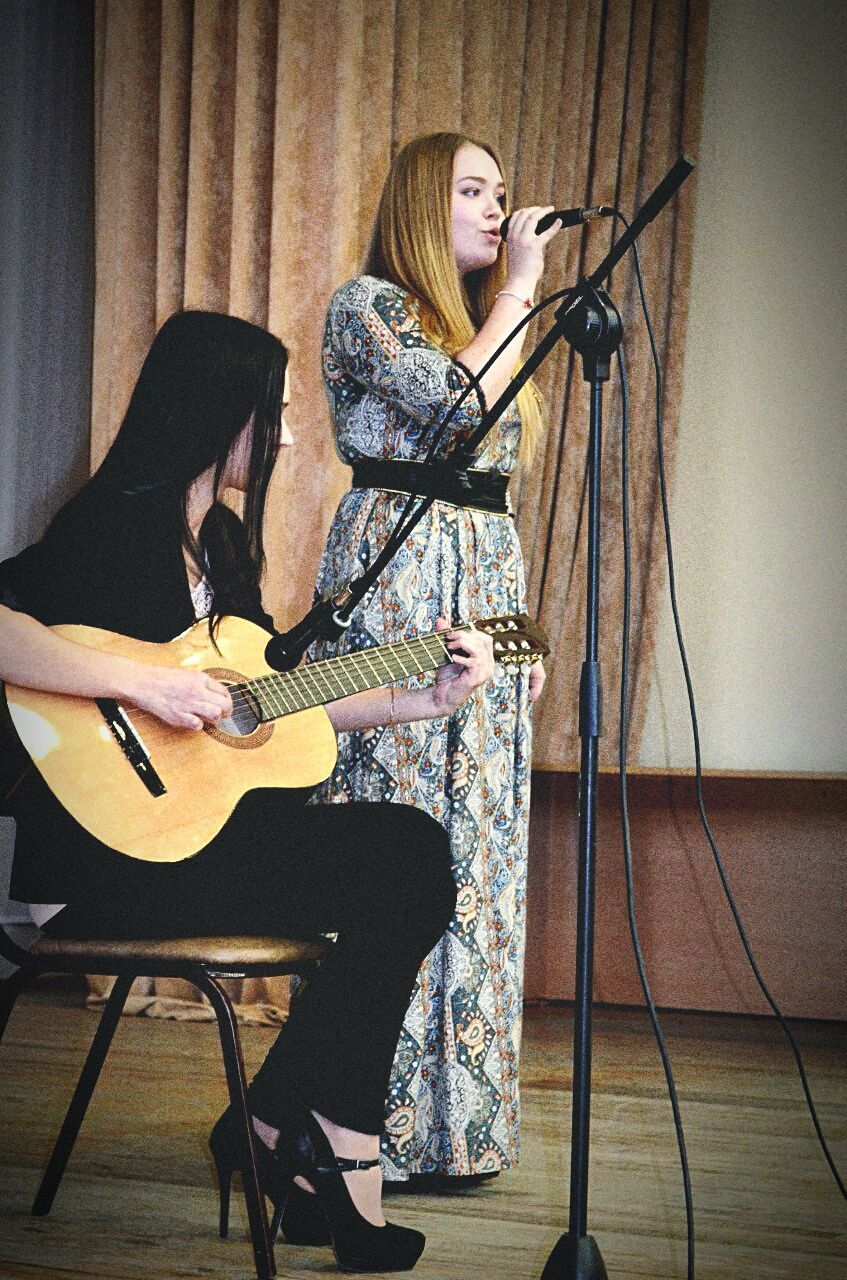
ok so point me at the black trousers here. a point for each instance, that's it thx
(378, 875)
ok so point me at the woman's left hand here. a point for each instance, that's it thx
(472, 663)
(472, 654)
(537, 676)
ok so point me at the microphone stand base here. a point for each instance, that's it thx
(575, 1258)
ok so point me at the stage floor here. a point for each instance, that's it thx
(138, 1199)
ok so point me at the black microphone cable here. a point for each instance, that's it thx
(339, 607)
(698, 771)
(406, 522)
(411, 514)
(623, 743)
(409, 517)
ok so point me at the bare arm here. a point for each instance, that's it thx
(472, 664)
(35, 657)
(526, 263)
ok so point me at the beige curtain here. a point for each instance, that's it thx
(240, 150)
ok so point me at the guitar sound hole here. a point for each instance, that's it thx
(243, 721)
(244, 730)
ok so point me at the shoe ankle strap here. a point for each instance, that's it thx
(343, 1165)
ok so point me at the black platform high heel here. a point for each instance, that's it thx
(274, 1177)
(302, 1220)
(357, 1244)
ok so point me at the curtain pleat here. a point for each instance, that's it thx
(126, 207)
(641, 70)
(253, 158)
(240, 150)
(208, 232)
(173, 151)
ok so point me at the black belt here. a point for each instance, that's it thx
(484, 490)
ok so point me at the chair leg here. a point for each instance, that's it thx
(82, 1096)
(234, 1066)
(10, 989)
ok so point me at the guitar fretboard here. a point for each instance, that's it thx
(321, 682)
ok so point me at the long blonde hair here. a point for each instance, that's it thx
(412, 246)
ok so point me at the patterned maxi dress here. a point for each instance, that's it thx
(453, 1105)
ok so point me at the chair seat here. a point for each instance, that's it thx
(204, 961)
(240, 953)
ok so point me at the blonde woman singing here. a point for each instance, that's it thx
(439, 294)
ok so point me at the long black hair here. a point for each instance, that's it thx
(204, 377)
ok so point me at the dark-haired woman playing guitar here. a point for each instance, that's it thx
(144, 550)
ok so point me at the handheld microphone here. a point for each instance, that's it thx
(569, 218)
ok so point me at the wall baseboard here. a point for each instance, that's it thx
(782, 843)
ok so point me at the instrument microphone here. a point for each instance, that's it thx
(569, 218)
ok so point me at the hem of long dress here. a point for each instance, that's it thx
(392, 1174)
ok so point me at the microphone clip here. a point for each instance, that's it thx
(326, 620)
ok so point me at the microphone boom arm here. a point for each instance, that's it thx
(327, 619)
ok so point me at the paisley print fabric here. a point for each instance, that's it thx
(453, 1105)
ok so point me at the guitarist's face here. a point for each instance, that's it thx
(237, 471)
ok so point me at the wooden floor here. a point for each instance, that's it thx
(138, 1198)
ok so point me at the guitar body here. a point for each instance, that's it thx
(204, 773)
(161, 794)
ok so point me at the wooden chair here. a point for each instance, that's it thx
(202, 961)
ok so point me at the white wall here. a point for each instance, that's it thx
(758, 502)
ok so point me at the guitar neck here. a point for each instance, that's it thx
(320, 682)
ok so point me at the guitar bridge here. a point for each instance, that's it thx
(130, 743)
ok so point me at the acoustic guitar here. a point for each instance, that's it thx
(160, 794)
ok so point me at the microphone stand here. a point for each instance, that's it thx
(590, 322)
(594, 329)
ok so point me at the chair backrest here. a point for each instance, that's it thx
(11, 951)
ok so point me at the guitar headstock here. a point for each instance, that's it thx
(517, 639)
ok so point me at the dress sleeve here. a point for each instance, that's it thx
(374, 339)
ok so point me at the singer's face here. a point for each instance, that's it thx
(478, 197)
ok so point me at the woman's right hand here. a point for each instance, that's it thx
(500, 338)
(37, 657)
(526, 249)
(183, 699)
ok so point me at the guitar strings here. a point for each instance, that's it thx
(278, 684)
(333, 678)
(282, 687)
